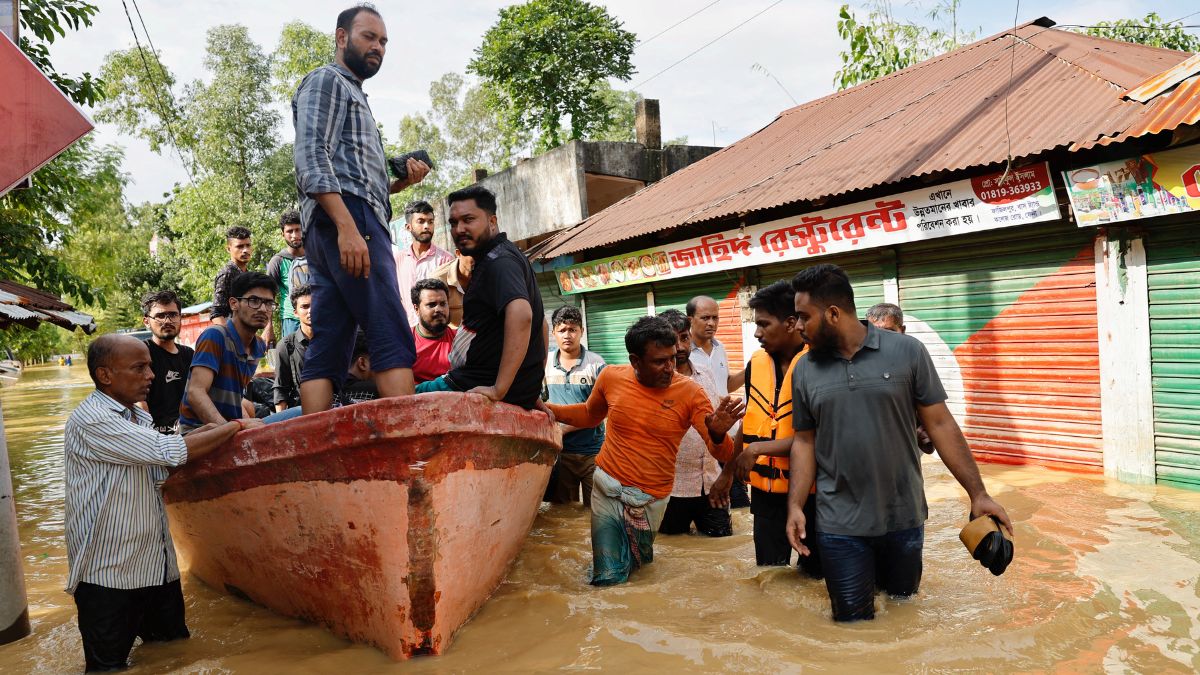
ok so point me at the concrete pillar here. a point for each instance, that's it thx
(14, 606)
(1123, 315)
(647, 123)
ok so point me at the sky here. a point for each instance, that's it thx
(715, 96)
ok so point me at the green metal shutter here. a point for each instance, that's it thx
(865, 272)
(609, 315)
(721, 287)
(1173, 267)
(1009, 317)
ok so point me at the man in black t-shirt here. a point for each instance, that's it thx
(500, 350)
(169, 361)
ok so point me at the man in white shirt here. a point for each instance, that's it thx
(120, 557)
(705, 315)
(695, 468)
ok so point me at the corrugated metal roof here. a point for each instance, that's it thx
(944, 114)
(29, 307)
(196, 309)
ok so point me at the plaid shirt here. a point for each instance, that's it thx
(338, 145)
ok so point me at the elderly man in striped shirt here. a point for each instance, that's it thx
(121, 560)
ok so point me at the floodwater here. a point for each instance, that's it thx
(1106, 579)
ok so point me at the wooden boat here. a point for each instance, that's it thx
(390, 522)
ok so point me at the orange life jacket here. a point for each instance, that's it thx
(768, 417)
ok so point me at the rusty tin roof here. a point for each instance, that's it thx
(944, 114)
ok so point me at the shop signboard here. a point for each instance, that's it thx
(1025, 195)
(1157, 184)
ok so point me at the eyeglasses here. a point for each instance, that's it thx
(256, 302)
(165, 317)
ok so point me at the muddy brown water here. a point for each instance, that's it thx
(1106, 579)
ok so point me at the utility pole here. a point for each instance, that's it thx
(14, 607)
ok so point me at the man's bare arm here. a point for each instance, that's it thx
(802, 464)
(210, 437)
(199, 382)
(956, 455)
(518, 322)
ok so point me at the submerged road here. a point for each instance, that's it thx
(1106, 578)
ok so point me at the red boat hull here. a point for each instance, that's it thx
(390, 522)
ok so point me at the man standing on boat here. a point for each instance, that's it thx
(122, 568)
(227, 356)
(497, 352)
(169, 361)
(341, 176)
(696, 470)
(853, 398)
(649, 407)
(422, 258)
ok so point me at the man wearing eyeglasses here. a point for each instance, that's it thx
(227, 356)
(169, 361)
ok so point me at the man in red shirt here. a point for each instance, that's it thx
(432, 334)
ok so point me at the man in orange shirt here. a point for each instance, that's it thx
(649, 408)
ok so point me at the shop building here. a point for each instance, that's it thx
(1059, 306)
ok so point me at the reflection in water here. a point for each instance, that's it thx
(1107, 577)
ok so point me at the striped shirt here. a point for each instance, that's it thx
(116, 524)
(220, 350)
(565, 387)
(338, 145)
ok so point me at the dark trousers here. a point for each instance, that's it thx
(771, 545)
(683, 511)
(347, 303)
(110, 619)
(572, 472)
(856, 566)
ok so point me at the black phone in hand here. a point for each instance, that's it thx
(399, 165)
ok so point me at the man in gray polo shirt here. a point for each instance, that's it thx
(853, 397)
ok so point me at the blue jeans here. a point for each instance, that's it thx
(283, 415)
(855, 566)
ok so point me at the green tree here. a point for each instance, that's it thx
(235, 128)
(32, 344)
(138, 97)
(1150, 30)
(225, 126)
(622, 116)
(301, 50)
(35, 223)
(47, 21)
(881, 44)
(545, 60)
(463, 131)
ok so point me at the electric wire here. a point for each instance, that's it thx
(689, 16)
(707, 44)
(1012, 66)
(164, 112)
